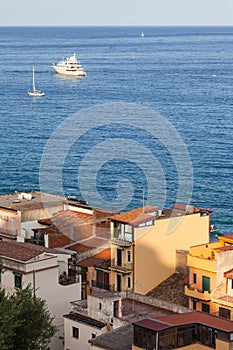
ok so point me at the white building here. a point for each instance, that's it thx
(80, 329)
(24, 263)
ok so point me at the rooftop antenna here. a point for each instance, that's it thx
(143, 199)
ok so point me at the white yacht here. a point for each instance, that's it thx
(34, 92)
(71, 66)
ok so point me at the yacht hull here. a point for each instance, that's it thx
(64, 71)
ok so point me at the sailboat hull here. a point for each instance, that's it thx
(36, 93)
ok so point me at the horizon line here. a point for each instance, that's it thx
(113, 25)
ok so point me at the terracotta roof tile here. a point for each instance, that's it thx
(22, 251)
(137, 216)
(104, 254)
(99, 258)
(229, 274)
(88, 244)
(78, 226)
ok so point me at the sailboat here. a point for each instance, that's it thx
(34, 92)
(142, 34)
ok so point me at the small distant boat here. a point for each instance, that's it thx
(71, 66)
(142, 34)
(34, 92)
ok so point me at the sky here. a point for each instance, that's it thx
(116, 12)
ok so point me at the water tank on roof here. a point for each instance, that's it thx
(24, 195)
(189, 209)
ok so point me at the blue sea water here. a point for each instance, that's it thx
(183, 73)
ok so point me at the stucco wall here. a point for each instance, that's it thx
(155, 250)
(85, 334)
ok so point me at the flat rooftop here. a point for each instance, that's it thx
(23, 201)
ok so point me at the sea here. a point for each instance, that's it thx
(151, 123)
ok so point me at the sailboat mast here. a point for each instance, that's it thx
(33, 79)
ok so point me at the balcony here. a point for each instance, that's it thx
(65, 280)
(197, 293)
(100, 285)
(121, 242)
(8, 233)
(222, 299)
(206, 264)
(123, 267)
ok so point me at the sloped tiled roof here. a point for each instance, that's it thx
(172, 289)
(198, 317)
(118, 339)
(152, 324)
(99, 258)
(78, 226)
(137, 216)
(22, 251)
(88, 244)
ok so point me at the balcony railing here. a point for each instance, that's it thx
(66, 280)
(123, 267)
(197, 293)
(222, 298)
(121, 242)
(101, 285)
(8, 233)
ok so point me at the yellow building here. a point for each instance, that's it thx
(210, 286)
(144, 243)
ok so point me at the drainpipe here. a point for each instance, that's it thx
(133, 255)
(34, 283)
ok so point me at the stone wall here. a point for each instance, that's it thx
(181, 261)
(159, 303)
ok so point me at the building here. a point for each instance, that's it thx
(80, 329)
(210, 287)
(96, 319)
(97, 270)
(49, 220)
(28, 208)
(144, 243)
(195, 330)
(118, 339)
(46, 270)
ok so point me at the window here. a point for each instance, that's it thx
(128, 256)
(194, 278)
(231, 284)
(205, 308)
(205, 284)
(93, 335)
(75, 332)
(100, 306)
(194, 305)
(226, 313)
(128, 282)
(18, 281)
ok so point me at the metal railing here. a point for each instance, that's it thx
(115, 264)
(101, 285)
